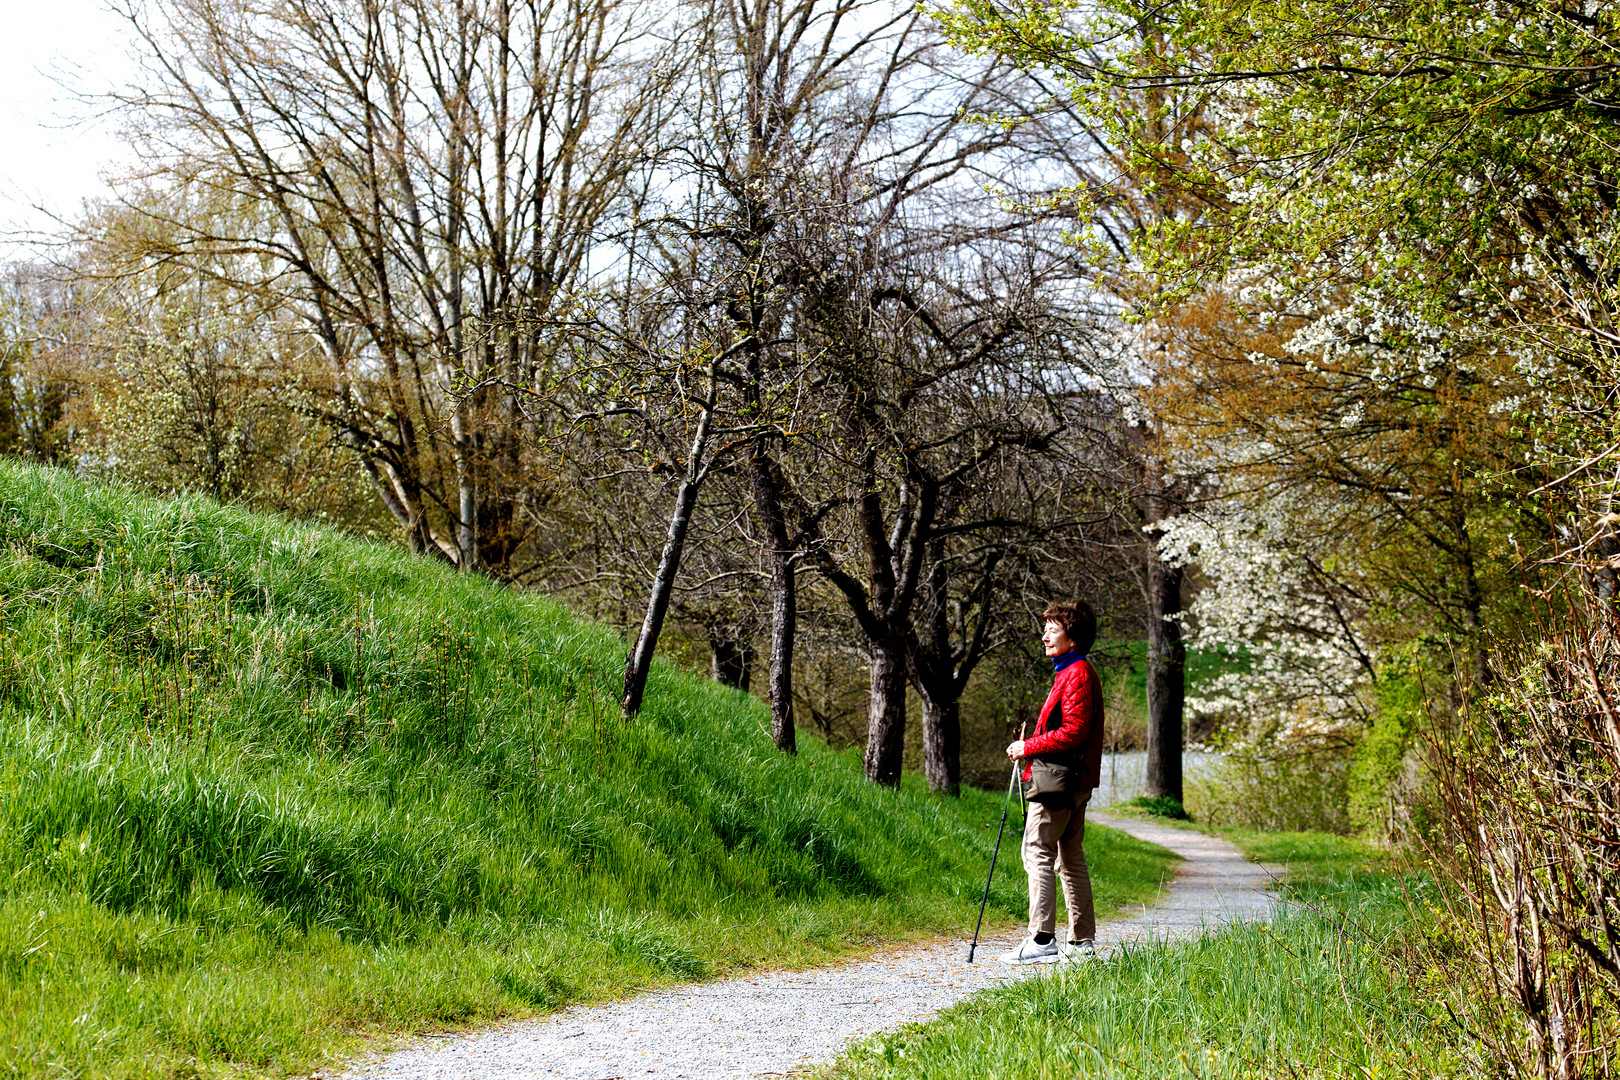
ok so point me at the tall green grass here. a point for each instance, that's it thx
(1319, 992)
(265, 789)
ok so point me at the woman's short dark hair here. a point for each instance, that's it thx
(1079, 622)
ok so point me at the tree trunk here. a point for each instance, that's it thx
(733, 657)
(784, 624)
(403, 500)
(784, 599)
(1166, 681)
(886, 723)
(639, 662)
(942, 744)
(940, 671)
(1473, 604)
(466, 531)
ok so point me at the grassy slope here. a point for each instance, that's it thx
(264, 789)
(1314, 994)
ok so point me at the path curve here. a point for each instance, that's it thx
(770, 1023)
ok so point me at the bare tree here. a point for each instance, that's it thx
(817, 128)
(652, 376)
(938, 403)
(411, 172)
(33, 397)
(1024, 520)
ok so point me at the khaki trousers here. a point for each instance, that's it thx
(1053, 838)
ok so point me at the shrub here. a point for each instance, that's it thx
(1301, 790)
(1528, 839)
(1373, 780)
(1159, 806)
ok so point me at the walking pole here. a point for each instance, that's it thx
(1005, 803)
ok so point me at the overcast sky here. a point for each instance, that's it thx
(52, 150)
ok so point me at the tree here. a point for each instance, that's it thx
(937, 406)
(1444, 173)
(822, 123)
(33, 398)
(652, 375)
(988, 563)
(1166, 651)
(1401, 467)
(403, 176)
(816, 138)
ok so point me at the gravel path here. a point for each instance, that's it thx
(770, 1023)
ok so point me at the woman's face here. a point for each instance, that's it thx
(1055, 639)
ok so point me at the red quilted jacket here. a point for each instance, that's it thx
(1070, 729)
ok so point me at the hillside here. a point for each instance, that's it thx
(265, 789)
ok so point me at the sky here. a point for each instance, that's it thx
(53, 149)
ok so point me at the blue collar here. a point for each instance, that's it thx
(1061, 662)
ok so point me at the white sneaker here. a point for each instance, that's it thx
(1030, 953)
(1078, 952)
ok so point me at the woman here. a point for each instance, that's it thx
(1062, 762)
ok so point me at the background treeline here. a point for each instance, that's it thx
(815, 351)
(757, 328)
(1386, 306)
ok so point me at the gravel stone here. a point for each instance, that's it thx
(771, 1023)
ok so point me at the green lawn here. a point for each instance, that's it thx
(1314, 994)
(266, 790)
(1310, 858)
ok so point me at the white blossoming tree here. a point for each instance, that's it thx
(1269, 601)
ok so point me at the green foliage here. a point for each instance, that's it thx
(1313, 994)
(1378, 243)
(1379, 758)
(1300, 789)
(264, 788)
(1433, 142)
(1432, 183)
(1159, 806)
